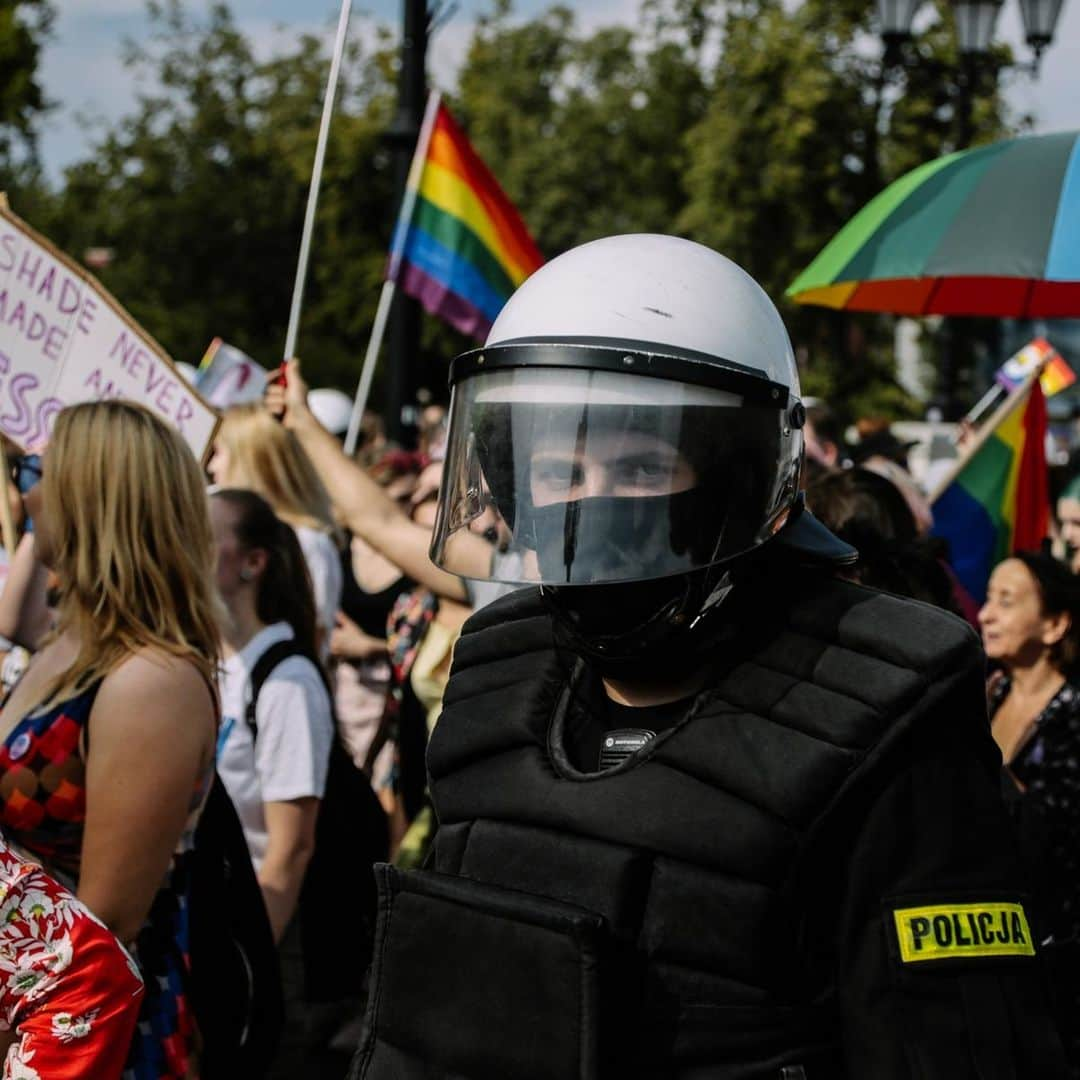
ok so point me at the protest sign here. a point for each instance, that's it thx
(227, 376)
(64, 339)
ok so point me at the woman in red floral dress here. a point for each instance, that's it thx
(69, 994)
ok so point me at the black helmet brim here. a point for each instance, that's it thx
(805, 537)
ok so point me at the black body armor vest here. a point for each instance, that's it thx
(693, 895)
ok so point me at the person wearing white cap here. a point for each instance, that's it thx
(331, 408)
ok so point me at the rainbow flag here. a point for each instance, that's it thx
(460, 247)
(1056, 373)
(998, 502)
(1056, 376)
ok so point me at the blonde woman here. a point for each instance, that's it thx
(254, 451)
(108, 739)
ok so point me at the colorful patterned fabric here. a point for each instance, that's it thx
(997, 501)
(990, 231)
(405, 628)
(67, 988)
(43, 811)
(42, 799)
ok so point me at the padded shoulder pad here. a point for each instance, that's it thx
(513, 625)
(504, 680)
(513, 607)
(904, 632)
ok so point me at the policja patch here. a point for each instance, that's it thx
(961, 931)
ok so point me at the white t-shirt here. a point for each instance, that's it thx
(324, 565)
(295, 729)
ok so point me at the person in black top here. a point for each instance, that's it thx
(1031, 628)
(705, 811)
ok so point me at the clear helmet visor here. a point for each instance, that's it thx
(585, 477)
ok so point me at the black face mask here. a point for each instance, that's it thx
(605, 537)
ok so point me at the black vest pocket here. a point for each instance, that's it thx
(476, 982)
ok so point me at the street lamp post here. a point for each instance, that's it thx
(1040, 21)
(404, 325)
(895, 18)
(976, 21)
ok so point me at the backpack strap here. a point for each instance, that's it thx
(264, 667)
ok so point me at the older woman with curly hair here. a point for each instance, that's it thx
(1031, 629)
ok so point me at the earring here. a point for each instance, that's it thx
(247, 574)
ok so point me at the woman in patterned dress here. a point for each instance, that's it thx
(69, 994)
(108, 740)
(1031, 628)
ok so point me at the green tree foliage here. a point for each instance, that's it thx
(755, 126)
(24, 26)
(584, 130)
(587, 129)
(200, 194)
(804, 127)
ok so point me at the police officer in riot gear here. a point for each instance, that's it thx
(706, 811)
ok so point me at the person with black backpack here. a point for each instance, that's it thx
(312, 823)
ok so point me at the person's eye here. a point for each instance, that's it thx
(644, 473)
(555, 474)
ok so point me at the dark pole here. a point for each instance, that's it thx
(956, 354)
(965, 95)
(404, 325)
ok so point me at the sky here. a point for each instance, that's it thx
(83, 73)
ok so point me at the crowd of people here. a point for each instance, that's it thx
(275, 618)
(1030, 629)
(248, 635)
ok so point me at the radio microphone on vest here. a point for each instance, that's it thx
(618, 745)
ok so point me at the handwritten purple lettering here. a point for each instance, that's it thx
(164, 399)
(54, 343)
(124, 346)
(68, 302)
(17, 423)
(86, 316)
(47, 411)
(102, 386)
(185, 411)
(33, 326)
(7, 251)
(28, 272)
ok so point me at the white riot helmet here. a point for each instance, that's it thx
(634, 416)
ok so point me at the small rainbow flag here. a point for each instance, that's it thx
(997, 501)
(460, 247)
(1056, 376)
(1056, 373)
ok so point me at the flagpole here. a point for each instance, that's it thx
(988, 429)
(984, 403)
(397, 252)
(316, 181)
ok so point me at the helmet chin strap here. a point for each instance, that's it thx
(671, 629)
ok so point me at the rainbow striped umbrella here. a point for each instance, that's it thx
(993, 231)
